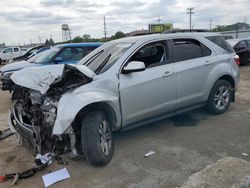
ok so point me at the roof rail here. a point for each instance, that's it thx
(185, 30)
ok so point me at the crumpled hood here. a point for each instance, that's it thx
(16, 66)
(40, 78)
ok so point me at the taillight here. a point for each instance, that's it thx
(237, 60)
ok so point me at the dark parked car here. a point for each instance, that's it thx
(60, 54)
(242, 48)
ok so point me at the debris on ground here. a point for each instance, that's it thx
(39, 166)
(5, 133)
(149, 153)
(47, 158)
(56, 176)
(244, 154)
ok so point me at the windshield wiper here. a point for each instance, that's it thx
(103, 64)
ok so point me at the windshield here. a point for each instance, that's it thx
(101, 59)
(46, 56)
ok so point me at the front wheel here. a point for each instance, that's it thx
(97, 139)
(220, 97)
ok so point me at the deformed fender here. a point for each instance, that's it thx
(71, 103)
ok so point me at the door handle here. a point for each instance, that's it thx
(167, 74)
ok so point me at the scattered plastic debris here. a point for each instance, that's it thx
(47, 158)
(56, 176)
(149, 153)
(244, 154)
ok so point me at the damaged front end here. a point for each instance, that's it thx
(34, 109)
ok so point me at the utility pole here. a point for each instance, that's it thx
(51, 35)
(158, 20)
(104, 25)
(190, 12)
(39, 38)
(210, 24)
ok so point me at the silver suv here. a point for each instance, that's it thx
(122, 84)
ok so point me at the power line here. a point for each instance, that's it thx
(39, 39)
(210, 24)
(190, 12)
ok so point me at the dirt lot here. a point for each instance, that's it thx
(180, 150)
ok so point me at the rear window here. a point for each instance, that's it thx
(220, 41)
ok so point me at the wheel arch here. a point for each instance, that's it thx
(97, 106)
(228, 78)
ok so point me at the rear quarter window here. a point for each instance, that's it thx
(221, 42)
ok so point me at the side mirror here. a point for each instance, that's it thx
(134, 66)
(58, 60)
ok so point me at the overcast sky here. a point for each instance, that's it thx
(24, 21)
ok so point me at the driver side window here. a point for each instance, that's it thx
(72, 54)
(152, 55)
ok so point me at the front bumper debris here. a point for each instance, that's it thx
(24, 130)
(6, 84)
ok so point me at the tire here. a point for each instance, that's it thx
(220, 97)
(97, 147)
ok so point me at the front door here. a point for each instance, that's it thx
(151, 92)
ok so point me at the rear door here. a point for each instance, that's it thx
(192, 62)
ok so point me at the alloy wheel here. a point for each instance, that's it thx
(221, 97)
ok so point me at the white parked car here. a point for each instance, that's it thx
(10, 53)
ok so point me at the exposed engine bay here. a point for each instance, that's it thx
(33, 114)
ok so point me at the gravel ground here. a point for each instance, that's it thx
(180, 150)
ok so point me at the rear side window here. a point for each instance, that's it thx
(220, 41)
(185, 49)
(16, 50)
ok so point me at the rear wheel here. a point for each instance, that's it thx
(220, 97)
(97, 140)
